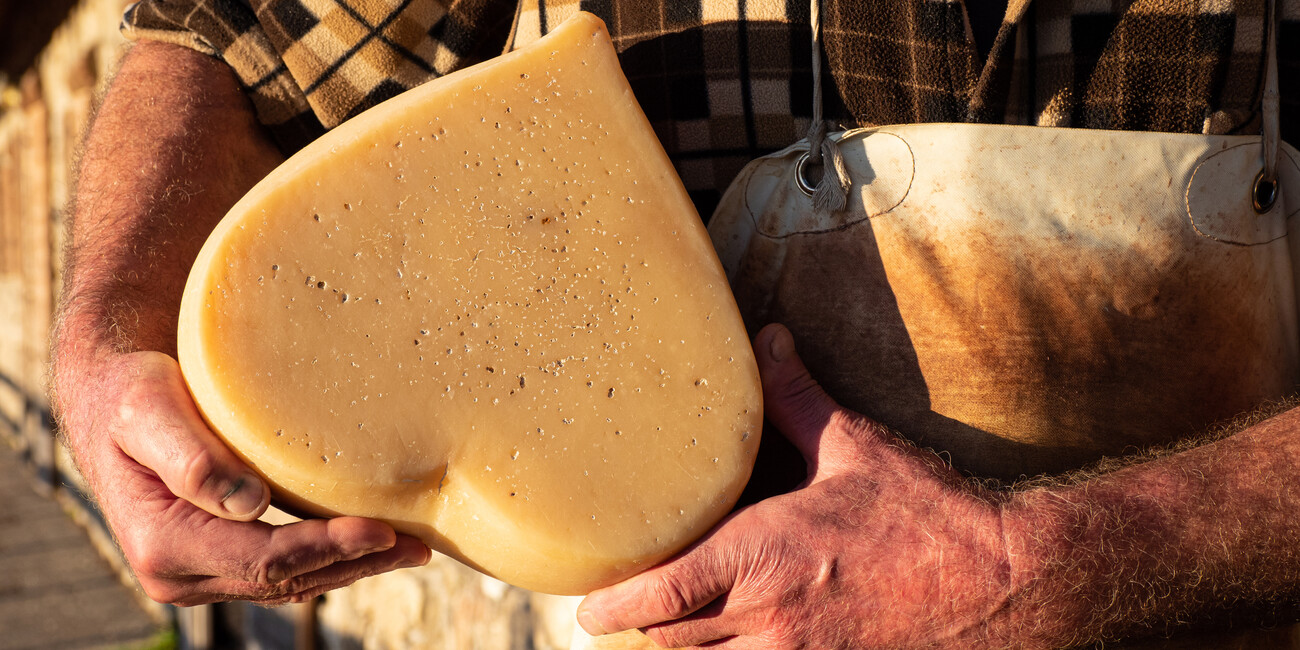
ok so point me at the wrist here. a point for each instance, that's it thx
(90, 366)
(1050, 602)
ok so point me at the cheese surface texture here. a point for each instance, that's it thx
(487, 313)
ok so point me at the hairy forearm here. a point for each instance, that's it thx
(173, 146)
(1207, 533)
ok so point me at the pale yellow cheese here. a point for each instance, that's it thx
(486, 312)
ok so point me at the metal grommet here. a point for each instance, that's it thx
(801, 177)
(1264, 194)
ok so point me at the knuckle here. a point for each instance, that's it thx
(201, 473)
(265, 571)
(305, 596)
(135, 396)
(308, 583)
(668, 596)
(130, 402)
(293, 585)
(146, 559)
(153, 569)
(126, 410)
(162, 591)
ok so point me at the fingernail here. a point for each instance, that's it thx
(589, 623)
(781, 346)
(411, 564)
(245, 496)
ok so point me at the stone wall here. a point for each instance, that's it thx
(42, 115)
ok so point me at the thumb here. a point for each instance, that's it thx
(665, 593)
(158, 425)
(792, 399)
(829, 436)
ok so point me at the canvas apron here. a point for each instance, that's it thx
(1027, 299)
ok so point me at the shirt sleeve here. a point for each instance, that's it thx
(308, 65)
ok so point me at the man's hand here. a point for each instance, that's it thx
(179, 499)
(885, 546)
(882, 546)
(175, 144)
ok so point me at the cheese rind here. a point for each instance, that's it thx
(485, 312)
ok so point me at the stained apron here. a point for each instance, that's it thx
(1025, 299)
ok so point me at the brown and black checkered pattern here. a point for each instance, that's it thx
(308, 65)
(723, 81)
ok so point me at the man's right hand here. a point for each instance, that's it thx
(174, 145)
(183, 505)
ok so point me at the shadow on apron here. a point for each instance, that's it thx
(1027, 299)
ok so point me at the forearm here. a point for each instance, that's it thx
(173, 146)
(1204, 532)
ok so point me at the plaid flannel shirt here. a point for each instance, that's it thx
(724, 81)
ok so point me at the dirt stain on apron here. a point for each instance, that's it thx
(1027, 299)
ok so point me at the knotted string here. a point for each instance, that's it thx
(832, 190)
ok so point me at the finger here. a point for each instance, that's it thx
(172, 544)
(408, 552)
(263, 554)
(665, 593)
(792, 399)
(814, 422)
(310, 585)
(159, 426)
(702, 627)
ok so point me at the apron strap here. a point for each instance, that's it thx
(831, 191)
(1266, 184)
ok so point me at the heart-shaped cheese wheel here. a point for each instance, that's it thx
(487, 313)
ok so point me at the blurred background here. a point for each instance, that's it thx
(56, 589)
(62, 582)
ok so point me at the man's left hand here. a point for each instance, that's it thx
(882, 546)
